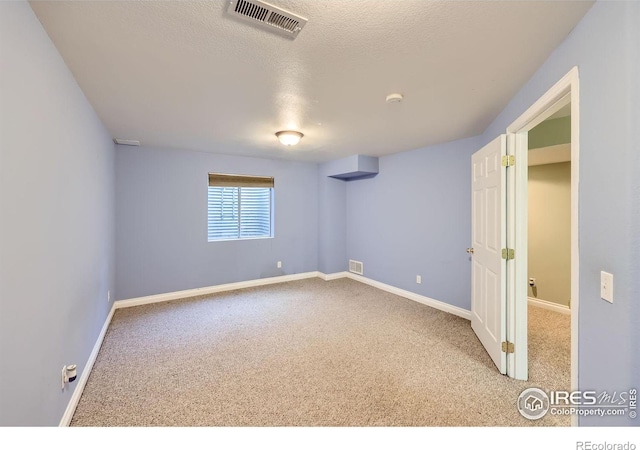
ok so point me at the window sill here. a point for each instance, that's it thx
(241, 239)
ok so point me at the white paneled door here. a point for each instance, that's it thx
(488, 282)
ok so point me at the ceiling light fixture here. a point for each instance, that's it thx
(395, 98)
(289, 137)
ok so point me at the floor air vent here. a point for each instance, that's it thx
(356, 267)
(267, 16)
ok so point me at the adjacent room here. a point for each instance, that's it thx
(304, 213)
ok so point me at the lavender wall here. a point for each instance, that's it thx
(161, 222)
(56, 224)
(414, 218)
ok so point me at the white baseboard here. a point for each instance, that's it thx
(332, 276)
(211, 289)
(84, 375)
(537, 302)
(464, 313)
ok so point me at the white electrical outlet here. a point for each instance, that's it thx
(606, 286)
(279, 264)
(419, 279)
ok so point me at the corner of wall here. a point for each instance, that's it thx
(331, 222)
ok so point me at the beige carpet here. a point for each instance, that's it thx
(310, 353)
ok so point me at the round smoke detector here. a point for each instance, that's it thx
(394, 98)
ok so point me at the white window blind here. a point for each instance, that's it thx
(239, 207)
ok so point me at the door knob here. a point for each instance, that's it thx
(470, 250)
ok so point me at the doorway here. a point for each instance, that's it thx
(564, 92)
(549, 251)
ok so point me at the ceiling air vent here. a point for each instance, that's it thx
(267, 16)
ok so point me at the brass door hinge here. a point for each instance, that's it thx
(508, 253)
(508, 161)
(507, 347)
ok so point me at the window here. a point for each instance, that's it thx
(239, 207)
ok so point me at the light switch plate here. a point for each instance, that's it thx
(606, 286)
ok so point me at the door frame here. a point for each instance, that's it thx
(565, 90)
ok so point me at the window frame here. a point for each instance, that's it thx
(239, 219)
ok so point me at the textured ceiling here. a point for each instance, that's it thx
(186, 75)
